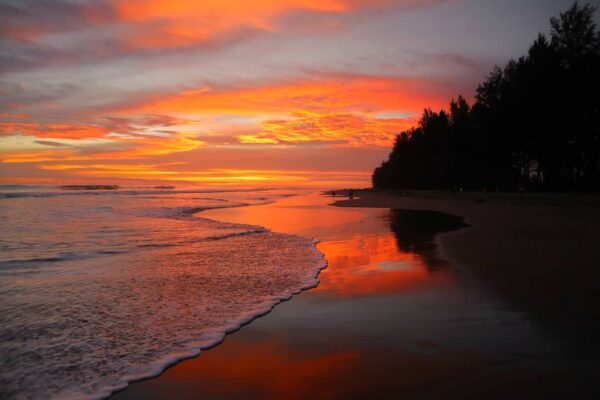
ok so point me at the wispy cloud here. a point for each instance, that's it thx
(50, 143)
(203, 90)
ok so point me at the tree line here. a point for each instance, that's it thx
(535, 123)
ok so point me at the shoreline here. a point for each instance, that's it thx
(536, 251)
(382, 307)
(196, 350)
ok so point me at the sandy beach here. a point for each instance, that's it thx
(538, 251)
(414, 305)
(217, 199)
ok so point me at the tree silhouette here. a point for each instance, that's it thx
(535, 123)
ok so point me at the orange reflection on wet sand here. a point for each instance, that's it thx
(351, 337)
(365, 265)
(269, 366)
(358, 264)
(295, 214)
(295, 373)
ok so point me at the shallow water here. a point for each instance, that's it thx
(390, 319)
(101, 287)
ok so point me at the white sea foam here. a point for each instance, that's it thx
(102, 290)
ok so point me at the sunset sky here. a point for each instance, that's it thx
(260, 93)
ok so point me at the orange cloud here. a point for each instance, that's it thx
(84, 170)
(123, 148)
(108, 138)
(339, 129)
(54, 131)
(331, 110)
(134, 171)
(337, 109)
(179, 23)
(227, 10)
(332, 93)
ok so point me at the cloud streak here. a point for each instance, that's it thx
(219, 91)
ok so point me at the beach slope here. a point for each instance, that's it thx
(539, 252)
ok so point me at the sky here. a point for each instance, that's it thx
(233, 92)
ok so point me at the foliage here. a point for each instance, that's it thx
(535, 124)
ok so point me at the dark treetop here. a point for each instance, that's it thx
(535, 124)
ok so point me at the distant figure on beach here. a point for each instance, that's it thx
(333, 193)
(351, 194)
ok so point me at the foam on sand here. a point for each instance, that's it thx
(85, 324)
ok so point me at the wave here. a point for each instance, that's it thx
(123, 330)
(214, 337)
(133, 286)
(232, 235)
(65, 257)
(89, 187)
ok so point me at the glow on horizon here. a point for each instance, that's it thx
(276, 92)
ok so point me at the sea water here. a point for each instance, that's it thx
(101, 287)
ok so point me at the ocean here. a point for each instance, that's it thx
(100, 286)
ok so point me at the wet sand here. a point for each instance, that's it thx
(392, 316)
(539, 252)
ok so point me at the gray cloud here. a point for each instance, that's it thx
(50, 143)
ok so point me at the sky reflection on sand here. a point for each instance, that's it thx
(384, 322)
(362, 253)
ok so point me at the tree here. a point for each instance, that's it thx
(535, 122)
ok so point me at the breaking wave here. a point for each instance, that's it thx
(98, 291)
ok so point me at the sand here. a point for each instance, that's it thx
(504, 319)
(537, 251)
